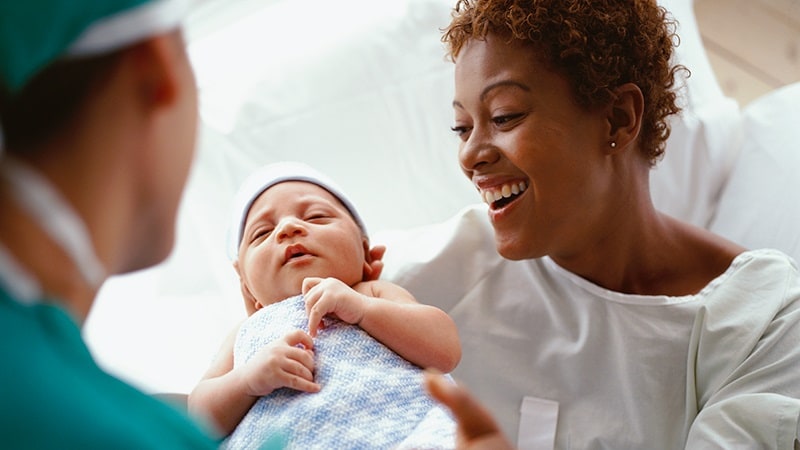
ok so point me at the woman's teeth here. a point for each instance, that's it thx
(505, 191)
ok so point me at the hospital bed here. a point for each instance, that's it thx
(361, 90)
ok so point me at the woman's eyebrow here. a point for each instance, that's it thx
(491, 87)
(503, 83)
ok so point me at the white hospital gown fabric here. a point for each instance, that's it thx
(720, 369)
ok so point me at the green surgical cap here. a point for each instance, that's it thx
(34, 33)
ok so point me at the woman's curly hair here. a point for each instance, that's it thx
(597, 44)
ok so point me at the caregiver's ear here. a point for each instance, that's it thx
(155, 64)
(624, 115)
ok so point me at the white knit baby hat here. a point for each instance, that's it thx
(268, 176)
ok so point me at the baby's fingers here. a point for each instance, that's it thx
(298, 368)
(301, 384)
(315, 313)
(296, 374)
(314, 322)
(299, 338)
(309, 283)
(311, 299)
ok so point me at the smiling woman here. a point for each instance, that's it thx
(609, 300)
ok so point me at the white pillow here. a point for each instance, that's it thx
(759, 207)
(700, 153)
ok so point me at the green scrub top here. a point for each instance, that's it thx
(54, 395)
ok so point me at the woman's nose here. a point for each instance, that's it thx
(476, 151)
(290, 227)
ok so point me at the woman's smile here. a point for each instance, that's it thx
(500, 196)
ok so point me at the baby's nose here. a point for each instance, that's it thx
(290, 227)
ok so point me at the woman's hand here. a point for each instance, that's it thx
(477, 430)
(287, 362)
(329, 296)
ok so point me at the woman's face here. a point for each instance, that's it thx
(535, 155)
(296, 230)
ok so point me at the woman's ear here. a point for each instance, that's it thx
(625, 117)
(251, 305)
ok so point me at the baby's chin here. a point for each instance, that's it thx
(277, 297)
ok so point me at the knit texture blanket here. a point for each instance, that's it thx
(371, 398)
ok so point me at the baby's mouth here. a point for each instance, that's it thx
(294, 251)
(500, 196)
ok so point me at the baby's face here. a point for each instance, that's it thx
(296, 230)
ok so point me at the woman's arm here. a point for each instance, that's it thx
(422, 334)
(225, 394)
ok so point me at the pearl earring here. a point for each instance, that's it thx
(613, 144)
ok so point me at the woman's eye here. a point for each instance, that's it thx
(460, 130)
(502, 120)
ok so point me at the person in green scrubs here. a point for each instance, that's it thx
(98, 112)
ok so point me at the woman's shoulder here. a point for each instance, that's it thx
(765, 260)
(763, 276)
(759, 268)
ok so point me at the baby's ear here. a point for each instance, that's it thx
(251, 305)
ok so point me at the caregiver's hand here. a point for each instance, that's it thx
(373, 269)
(477, 430)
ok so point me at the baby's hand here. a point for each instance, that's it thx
(287, 362)
(330, 296)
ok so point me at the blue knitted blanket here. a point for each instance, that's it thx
(371, 398)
